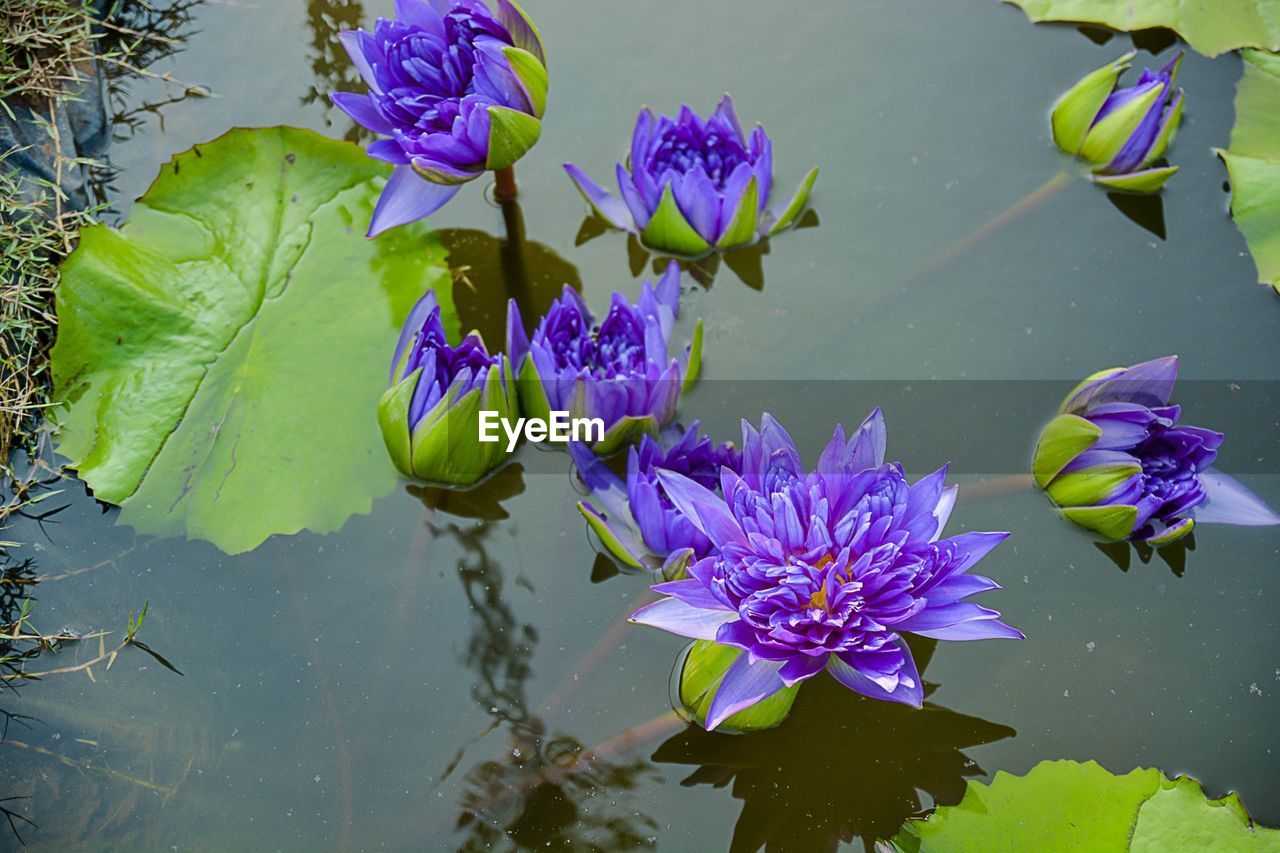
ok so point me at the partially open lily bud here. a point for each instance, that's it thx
(456, 89)
(430, 416)
(620, 370)
(1121, 131)
(1117, 462)
(692, 185)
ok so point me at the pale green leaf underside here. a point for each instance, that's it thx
(1210, 28)
(1065, 805)
(1253, 162)
(223, 353)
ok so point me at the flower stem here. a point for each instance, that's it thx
(505, 189)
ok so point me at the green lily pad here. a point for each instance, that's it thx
(1253, 162)
(1066, 805)
(1210, 28)
(221, 355)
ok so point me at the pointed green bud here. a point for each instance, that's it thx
(669, 230)
(393, 419)
(1105, 139)
(1075, 111)
(1147, 181)
(694, 365)
(1065, 438)
(741, 229)
(608, 538)
(511, 135)
(1092, 485)
(1113, 522)
(797, 204)
(532, 75)
(701, 672)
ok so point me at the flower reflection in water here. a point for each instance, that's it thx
(840, 767)
(545, 790)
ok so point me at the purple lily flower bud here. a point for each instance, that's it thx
(823, 569)
(619, 370)
(456, 89)
(1121, 131)
(693, 185)
(1117, 462)
(639, 525)
(430, 416)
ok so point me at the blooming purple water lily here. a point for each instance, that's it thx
(619, 371)
(430, 416)
(823, 569)
(1121, 131)
(457, 90)
(639, 524)
(692, 185)
(1117, 461)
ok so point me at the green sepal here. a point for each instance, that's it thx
(524, 32)
(608, 539)
(797, 204)
(669, 231)
(1146, 181)
(1092, 377)
(448, 179)
(626, 431)
(1105, 139)
(1113, 522)
(1166, 135)
(532, 75)
(1090, 486)
(741, 229)
(694, 366)
(532, 395)
(1173, 534)
(393, 419)
(446, 445)
(701, 672)
(1075, 111)
(511, 135)
(1063, 439)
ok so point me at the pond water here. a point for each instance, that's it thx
(423, 678)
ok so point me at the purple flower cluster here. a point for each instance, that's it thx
(823, 570)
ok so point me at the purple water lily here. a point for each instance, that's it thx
(619, 371)
(823, 569)
(692, 184)
(430, 413)
(1117, 461)
(457, 89)
(639, 524)
(1121, 131)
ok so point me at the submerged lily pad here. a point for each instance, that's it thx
(1253, 161)
(222, 354)
(1066, 805)
(1210, 28)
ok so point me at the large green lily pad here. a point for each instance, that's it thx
(1211, 27)
(1253, 161)
(1066, 805)
(222, 354)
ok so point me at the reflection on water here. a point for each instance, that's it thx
(746, 263)
(329, 61)
(1174, 554)
(840, 767)
(547, 791)
(1146, 210)
(488, 270)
